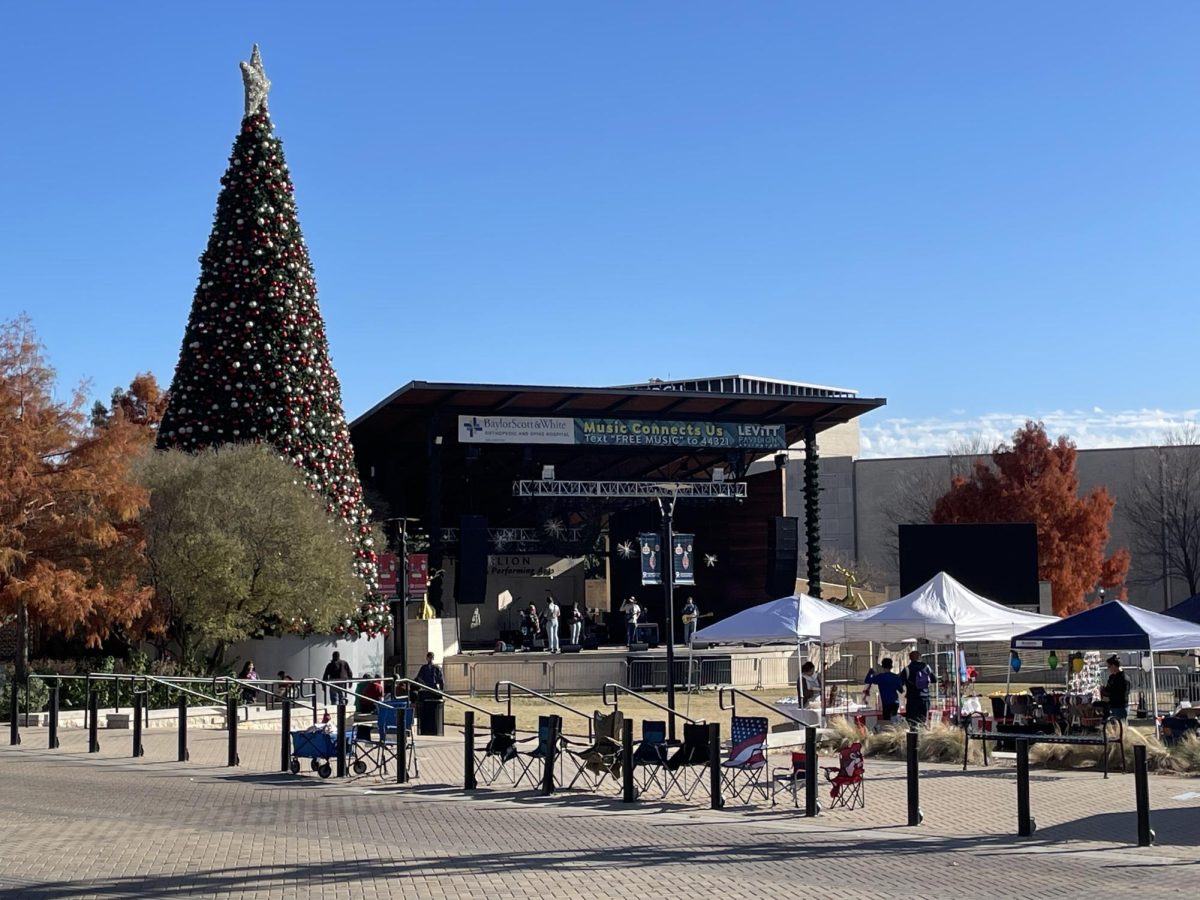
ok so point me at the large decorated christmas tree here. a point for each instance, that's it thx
(255, 364)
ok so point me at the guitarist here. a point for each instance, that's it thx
(691, 613)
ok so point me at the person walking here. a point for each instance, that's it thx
(889, 684)
(553, 612)
(917, 678)
(249, 673)
(338, 670)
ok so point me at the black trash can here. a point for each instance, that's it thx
(431, 716)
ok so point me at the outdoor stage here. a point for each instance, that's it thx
(589, 670)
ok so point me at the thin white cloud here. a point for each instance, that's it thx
(1089, 430)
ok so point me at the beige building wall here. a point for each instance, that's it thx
(888, 491)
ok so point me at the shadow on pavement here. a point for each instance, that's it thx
(768, 850)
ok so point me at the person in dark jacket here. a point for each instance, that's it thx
(917, 678)
(430, 674)
(337, 670)
(1116, 690)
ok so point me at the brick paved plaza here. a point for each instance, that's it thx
(106, 825)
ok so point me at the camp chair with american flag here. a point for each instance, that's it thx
(742, 772)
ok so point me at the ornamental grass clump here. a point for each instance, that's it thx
(841, 732)
(1089, 756)
(939, 743)
(1185, 754)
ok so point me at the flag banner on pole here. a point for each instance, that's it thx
(651, 558)
(684, 560)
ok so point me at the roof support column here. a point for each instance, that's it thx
(812, 509)
(436, 547)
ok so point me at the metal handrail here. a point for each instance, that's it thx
(736, 692)
(426, 688)
(619, 689)
(174, 687)
(337, 686)
(509, 685)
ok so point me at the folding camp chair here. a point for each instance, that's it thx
(741, 773)
(790, 778)
(378, 749)
(846, 779)
(542, 752)
(650, 758)
(499, 755)
(681, 768)
(601, 758)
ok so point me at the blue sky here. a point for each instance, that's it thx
(980, 213)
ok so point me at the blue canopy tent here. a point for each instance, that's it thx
(1115, 626)
(1188, 609)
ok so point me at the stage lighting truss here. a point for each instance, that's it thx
(651, 490)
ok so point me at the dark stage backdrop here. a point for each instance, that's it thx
(998, 561)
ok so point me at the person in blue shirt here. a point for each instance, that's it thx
(889, 684)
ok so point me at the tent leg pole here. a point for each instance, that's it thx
(1008, 687)
(1154, 694)
(957, 682)
(821, 681)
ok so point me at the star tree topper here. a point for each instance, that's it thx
(254, 79)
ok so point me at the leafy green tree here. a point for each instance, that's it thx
(237, 547)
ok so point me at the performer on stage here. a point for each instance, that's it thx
(691, 614)
(633, 612)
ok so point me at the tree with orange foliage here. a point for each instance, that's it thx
(142, 403)
(1034, 480)
(70, 545)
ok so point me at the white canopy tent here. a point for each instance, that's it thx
(796, 619)
(942, 611)
(789, 620)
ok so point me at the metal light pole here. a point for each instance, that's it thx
(401, 618)
(402, 593)
(668, 580)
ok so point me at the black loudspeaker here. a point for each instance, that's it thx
(638, 648)
(783, 555)
(591, 643)
(470, 581)
(570, 648)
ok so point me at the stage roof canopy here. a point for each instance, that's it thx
(732, 398)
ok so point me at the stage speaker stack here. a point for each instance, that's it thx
(471, 578)
(783, 555)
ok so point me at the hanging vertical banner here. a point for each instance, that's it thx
(388, 565)
(418, 574)
(684, 559)
(651, 558)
